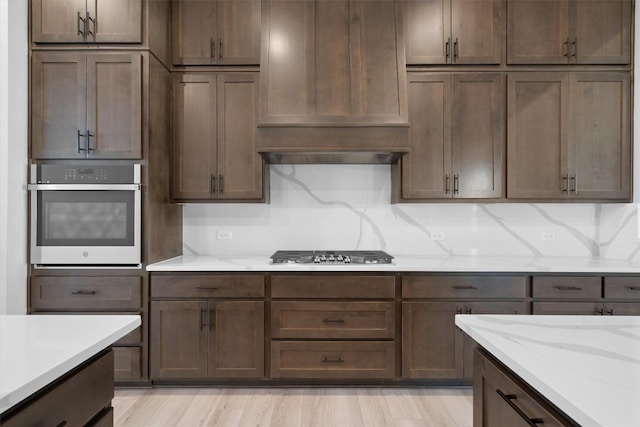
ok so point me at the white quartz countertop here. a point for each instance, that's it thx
(37, 350)
(588, 366)
(406, 264)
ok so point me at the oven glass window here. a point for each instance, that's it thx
(93, 218)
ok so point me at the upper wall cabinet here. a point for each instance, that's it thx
(569, 136)
(86, 21)
(207, 32)
(569, 32)
(86, 105)
(453, 31)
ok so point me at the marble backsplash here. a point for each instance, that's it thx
(348, 207)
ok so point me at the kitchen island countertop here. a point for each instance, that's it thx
(449, 264)
(587, 366)
(37, 350)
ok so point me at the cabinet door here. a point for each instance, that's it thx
(55, 21)
(114, 21)
(239, 32)
(538, 32)
(478, 135)
(240, 167)
(114, 105)
(58, 105)
(427, 29)
(602, 30)
(622, 308)
(194, 136)
(537, 135)
(426, 170)
(431, 343)
(178, 339)
(600, 146)
(236, 340)
(194, 30)
(476, 31)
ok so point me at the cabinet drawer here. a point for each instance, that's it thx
(332, 320)
(622, 287)
(502, 400)
(568, 308)
(207, 286)
(127, 363)
(332, 359)
(365, 287)
(464, 287)
(84, 293)
(74, 400)
(569, 287)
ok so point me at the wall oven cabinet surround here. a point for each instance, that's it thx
(333, 82)
(569, 32)
(86, 21)
(214, 138)
(86, 105)
(457, 137)
(207, 32)
(569, 136)
(453, 31)
(85, 215)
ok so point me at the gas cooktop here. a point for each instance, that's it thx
(331, 257)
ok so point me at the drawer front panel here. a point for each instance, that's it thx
(622, 287)
(207, 286)
(578, 308)
(84, 293)
(464, 287)
(74, 401)
(569, 287)
(332, 320)
(332, 359)
(127, 363)
(364, 287)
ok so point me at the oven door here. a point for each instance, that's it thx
(85, 224)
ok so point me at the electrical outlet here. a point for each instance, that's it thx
(225, 235)
(548, 235)
(437, 235)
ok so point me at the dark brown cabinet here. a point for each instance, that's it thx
(214, 137)
(432, 346)
(86, 105)
(569, 136)
(453, 31)
(457, 137)
(196, 335)
(86, 21)
(564, 31)
(223, 32)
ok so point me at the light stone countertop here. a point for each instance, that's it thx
(588, 366)
(37, 350)
(404, 264)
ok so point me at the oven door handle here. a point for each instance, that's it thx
(84, 187)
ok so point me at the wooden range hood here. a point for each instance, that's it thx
(332, 82)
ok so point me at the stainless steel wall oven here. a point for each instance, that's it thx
(85, 215)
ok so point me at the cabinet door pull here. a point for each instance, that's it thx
(574, 43)
(566, 48)
(565, 184)
(206, 288)
(83, 293)
(62, 424)
(599, 311)
(220, 51)
(220, 184)
(633, 288)
(447, 186)
(574, 187)
(84, 26)
(212, 48)
(326, 320)
(464, 288)
(212, 184)
(459, 310)
(468, 310)
(610, 312)
(509, 398)
(447, 49)
(455, 50)
(80, 135)
(456, 184)
(568, 288)
(89, 135)
(202, 319)
(88, 21)
(326, 359)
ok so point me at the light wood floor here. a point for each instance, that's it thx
(289, 407)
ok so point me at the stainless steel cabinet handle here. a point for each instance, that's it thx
(568, 288)
(212, 48)
(468, 310)
(509, 398)
(599, 311)
(83, 293)
(326, 359)
(574, 43)
(220, 184)
(463, 288)
(455, 50)
(447, 187)
(89, 135)
(80, 135)
(610, 312)
(206, 288)
(84, 26)
(325, 320)
(88, 23)
(212, 184)
(566, 48)
(565, 183)
(447, 49)
(459, 310)
(574, 187)
(456, 184)
(220, 51)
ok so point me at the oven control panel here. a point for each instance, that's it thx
(94, 174)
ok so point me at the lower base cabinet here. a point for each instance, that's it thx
(501, 399)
